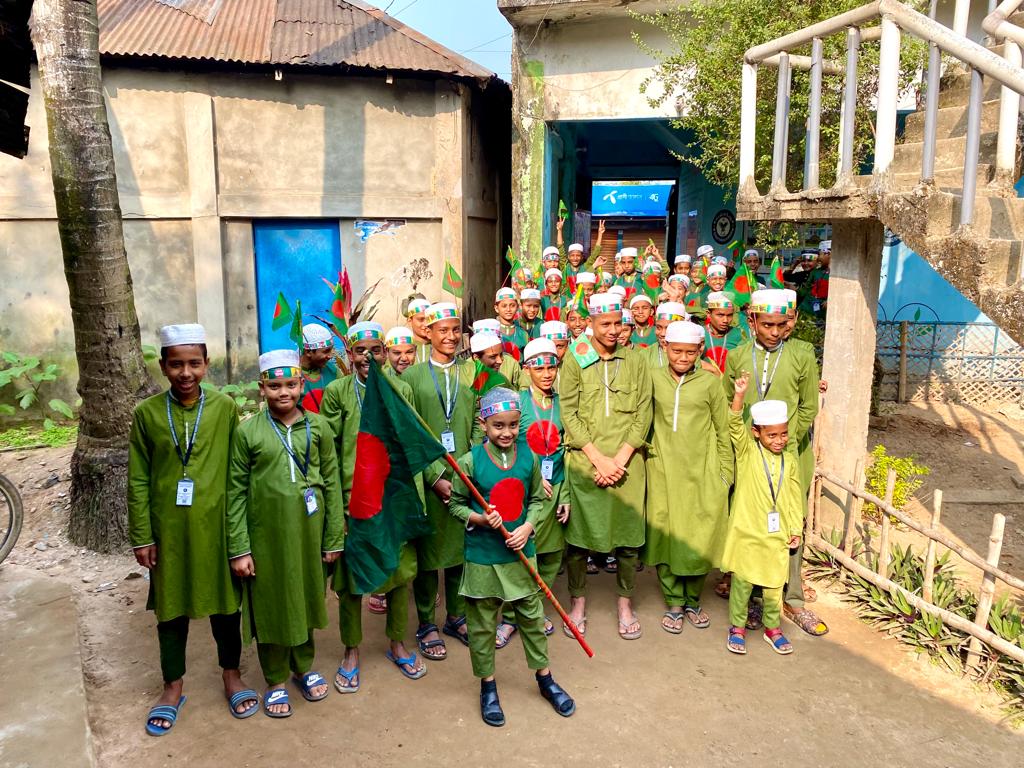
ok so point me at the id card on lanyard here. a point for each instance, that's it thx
(774, 519)
(185, 491)
(309, 494)
(447, 401)
(766, 384)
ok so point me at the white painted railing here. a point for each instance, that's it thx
(858, 25)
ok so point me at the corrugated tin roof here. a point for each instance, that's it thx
(305, 32)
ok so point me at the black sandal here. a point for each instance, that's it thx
(427, 645)
(451, 628)
(490, 707)
(560, 701)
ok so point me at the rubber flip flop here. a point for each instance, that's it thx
(277, 696)
(167, 712)
(402, 662)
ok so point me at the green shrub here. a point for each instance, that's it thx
(908, 480)
(30, 379)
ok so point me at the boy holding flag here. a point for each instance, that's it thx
(317, 362)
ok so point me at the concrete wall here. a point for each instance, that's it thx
(199, 156)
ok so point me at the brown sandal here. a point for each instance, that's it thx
(806, 619)
(723, 586)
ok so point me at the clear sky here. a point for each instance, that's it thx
(473, 28)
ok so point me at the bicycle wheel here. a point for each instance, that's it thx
(11, 514)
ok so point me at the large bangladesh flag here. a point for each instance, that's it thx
(385, 510)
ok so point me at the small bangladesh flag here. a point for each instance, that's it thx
(563, 211)
(775, 280)
(282, 313)
(652, 280)
(741, 286)
(510, 257)
(485, 379)
(452, 282)
(391, 449)
(295, 333)
(579, 303)
(583, 351)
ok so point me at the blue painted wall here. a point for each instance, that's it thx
(292, 256)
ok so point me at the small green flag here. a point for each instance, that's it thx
(579, 303)
(452, 282)
(282, 313)
(583, 351)
(563, 212)
(741, 286)
(295, 334)
(775, 280)
(485, 379)
(510, 257)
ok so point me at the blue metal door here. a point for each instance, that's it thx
(293, 257)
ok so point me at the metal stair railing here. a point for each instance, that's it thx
(895, 19)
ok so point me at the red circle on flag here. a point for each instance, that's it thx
(511, 349)
(581, 347)
(372, 468)
(312, 399)
(543, 438)
(507, 497)
(553, 313)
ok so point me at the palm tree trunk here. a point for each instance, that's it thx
(112, 374)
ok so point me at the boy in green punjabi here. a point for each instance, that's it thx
(509, 477)
(529, 313)
(643, 329)
(342, 408)
(317, 363)
(667, 313)
(506, 307)
(689, 471)
(400, 346)
(721, 335)
(285, 520)
(177, 484)
(414, 310)
(606, 411)
(554, 299)
(556, 332)
(787, 372)
(486, 346)
(766, 519)
(628, 277)
(442, 395)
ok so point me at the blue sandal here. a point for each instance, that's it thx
(451, 628)
(348, 678)
(401, 663)
(277, 696)
(308, 682)
(778, 642)
(167, 712)
(240, 698)
(737, 642)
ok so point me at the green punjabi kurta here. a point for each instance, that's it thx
(511, 370)
(422, 352)
(689, 471)
(192, 576)
(795, 381)
(644, 338)
(267, 518)
(342, 409)
(513, 340)
(632, 282)
(443, 547)
(697, 302)
(717, 348)
(546, 423)
(314, 383)
(530, 327)
(608, 404)
(750, 552)
(553, 307)
(504, 575)
(654, 356)
(569, 272)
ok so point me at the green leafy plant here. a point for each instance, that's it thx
(29, 378)
(909, 476)
(54, 436)
(245, 395)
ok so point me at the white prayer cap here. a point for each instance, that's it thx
(540, 346)
(767, 413)
(772, 301)
(553, 272)
(505, 293)
(719, 260)
(550, 251)
(416, 306)
(487, 324)
(684, 332)
(719, 300)
(618, 255)
(640, 298)
(672, 310)
(481, 341)
(618, 290)
(179, 335)
(529, 294)
(717, 270)
(603, 303)
(627, 317)
(586, 278)
(279, 359)
(554, 329)
(443, 310)
(576, 247)
(365, 330)
(628, 253)
(398, 335)
(651, 265)
(704, 250)
(679, 279)
(790, 297)
(825, 246)
(751, 252)
(316, 336)
(683, 258)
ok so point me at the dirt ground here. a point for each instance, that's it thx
(853, 698)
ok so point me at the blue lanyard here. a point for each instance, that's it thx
(309, 441)
(768, 474)
(356, 385)
(447, 407)
(190, 442)
(761, 394)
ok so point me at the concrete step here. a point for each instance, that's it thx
(996, 218)
(956, 91)
(949, 178)
(949, 153)
(951, 122)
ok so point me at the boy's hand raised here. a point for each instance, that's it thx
(243, 566)
(794, 542)
(146, 556)
(742, 382)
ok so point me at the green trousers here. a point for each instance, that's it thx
(548, 566)
(739, 598)
(173, 637)
(625, 579)
(482, 622)
(795, 587)
(424, 590)
(350, 616)
(277, 660)
(680, 590)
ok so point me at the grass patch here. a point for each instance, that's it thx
(54, 436)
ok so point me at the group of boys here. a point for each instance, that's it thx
(245, 522)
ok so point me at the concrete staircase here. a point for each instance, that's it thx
(983, 261)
